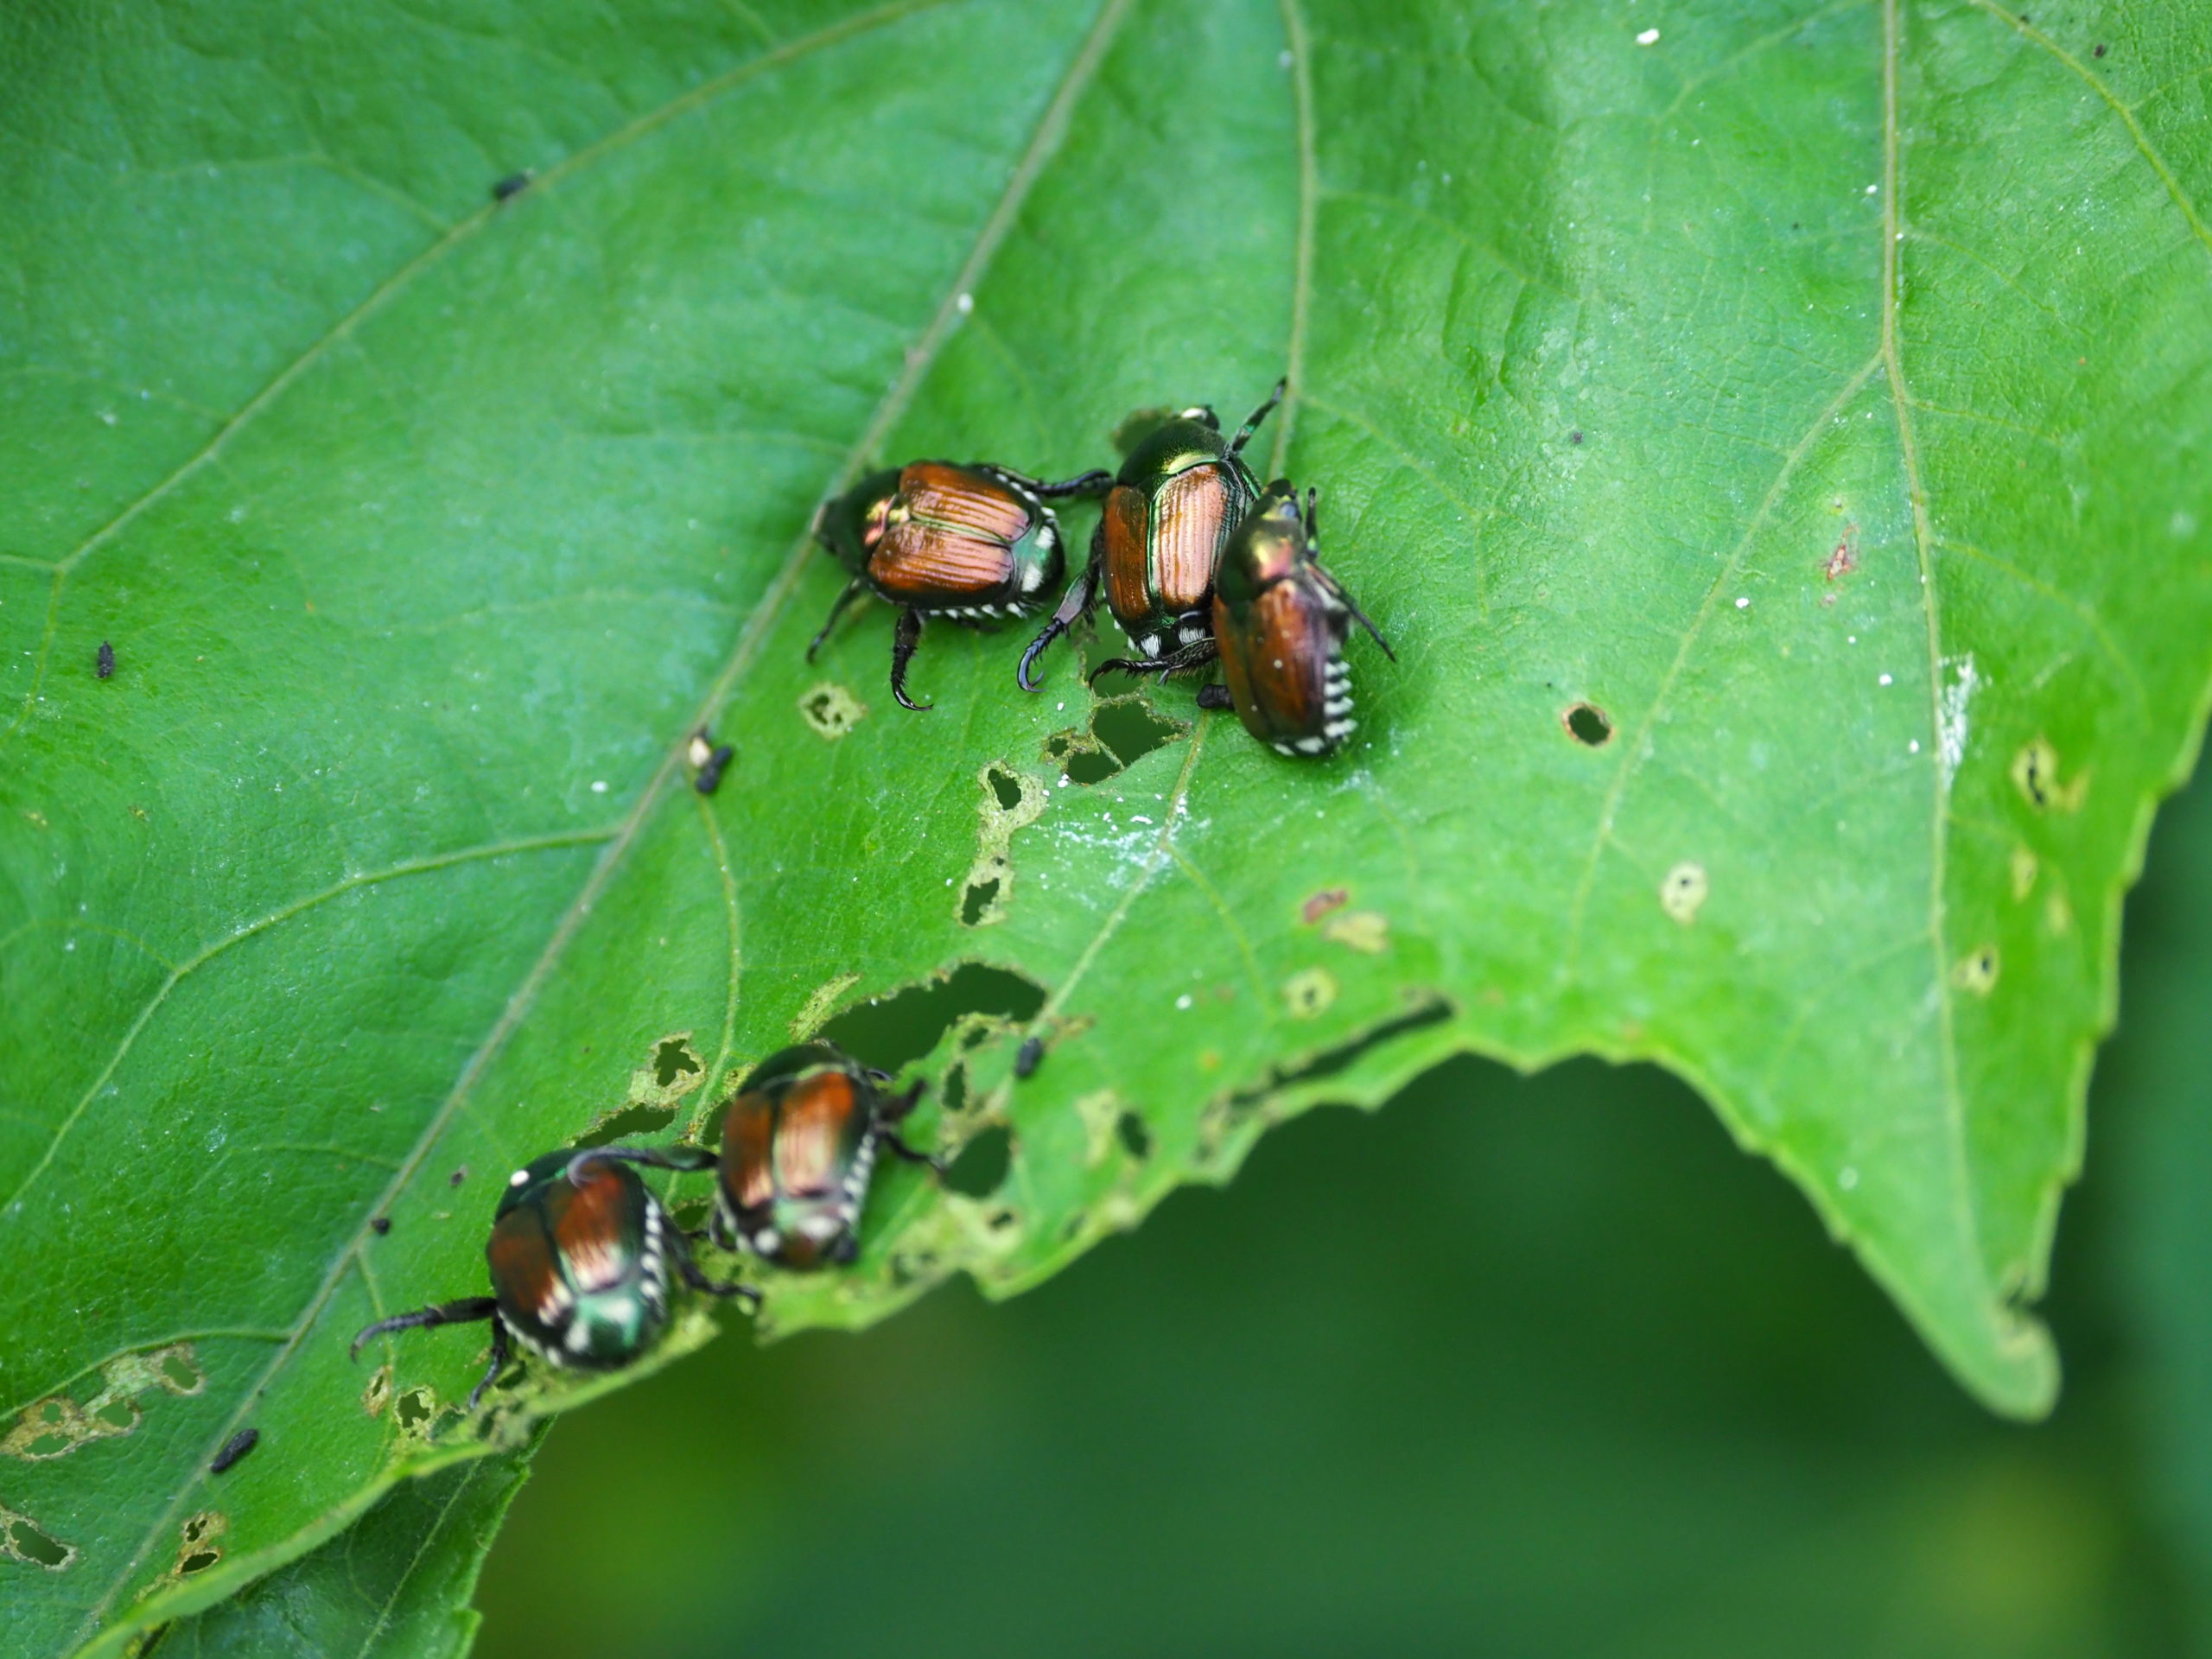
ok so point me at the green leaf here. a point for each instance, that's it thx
(397, 1582)
(1818, 391)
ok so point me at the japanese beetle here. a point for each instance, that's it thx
(1181, 492)
(1279, 618)
(799, 1139)
(580, 1254)
(970, 542)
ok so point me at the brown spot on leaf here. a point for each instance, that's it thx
(1322, 902)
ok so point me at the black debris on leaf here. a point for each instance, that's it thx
(710, 774)
(379, 1225)
(234, 1450)
(106, 666)
(1031, 1057)
(510, 186)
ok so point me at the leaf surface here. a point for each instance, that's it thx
(396, 1584)
(1772, 435)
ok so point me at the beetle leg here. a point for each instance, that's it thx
(903, 638)
(1252, 425)
(468, 1311)
(1214, 695)
(1124, 665)
(853, 589)
(1096, 481)
(889, 1141)
(1073, 604)
(719, 1231)
(695, 1276)
(1197, 654)
(680, 1157)
(898, 1105)
(499, 1363)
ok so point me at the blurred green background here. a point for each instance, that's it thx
(1537, 1366)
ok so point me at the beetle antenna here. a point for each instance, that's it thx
(1244, 432)
(680, 1157)
(1365, 623)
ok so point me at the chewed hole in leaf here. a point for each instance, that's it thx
(1135, 1138)
(981, 1168)
(1306, 994)
(975, 903)
(1431, 1010)
(57, 1426)
(831, 710)
(197, 1549)
(414, 1409)
(1589, 724)
(1004, 785)
(632, 1120)
(1122, 731)
(954, 1095)
(896, 1029)
(1682, 894)
(25, 1542)
(1975, 973)
(179, 1373)
(672, 1059)
(377, 1394)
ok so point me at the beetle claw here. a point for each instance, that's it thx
(903, 638)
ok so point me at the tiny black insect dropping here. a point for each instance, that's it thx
(974, 543)
(234, 1450)
(1179, 494)
(103, 665)
(1032, 1056)
(580, 1255)
(512, 185)
(379, 1225)
(707, 760)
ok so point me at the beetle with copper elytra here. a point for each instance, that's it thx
(971, 544)
(798, 1150)
(580, 1254)
(1181, 492)
(1280, 621)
